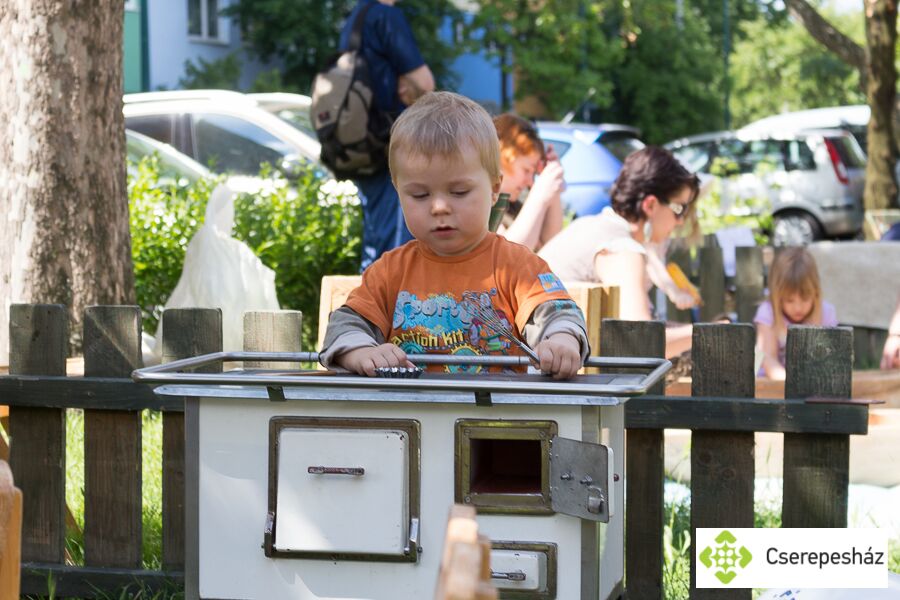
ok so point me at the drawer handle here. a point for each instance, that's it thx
(511, 576)
(355, 471)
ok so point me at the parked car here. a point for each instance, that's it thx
(179, 169)
(813, 179)
(228, 131)
(293, 109)
(591, 156)
(854, 118)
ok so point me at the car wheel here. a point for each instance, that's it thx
(795, 229)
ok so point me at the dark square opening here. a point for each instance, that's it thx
(503, 466)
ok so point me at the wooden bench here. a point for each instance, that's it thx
(466, 560)
(10, 533)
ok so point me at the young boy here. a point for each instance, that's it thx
(445, 163)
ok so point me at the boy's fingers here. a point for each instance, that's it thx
(546, 356)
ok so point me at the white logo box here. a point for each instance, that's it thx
(799, 558)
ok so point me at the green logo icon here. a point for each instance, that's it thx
(726, 557)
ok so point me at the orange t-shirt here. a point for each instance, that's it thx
(415, 297)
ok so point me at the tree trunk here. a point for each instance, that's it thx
(881, 92)
(64, 229)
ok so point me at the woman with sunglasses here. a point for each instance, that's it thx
(624, 245)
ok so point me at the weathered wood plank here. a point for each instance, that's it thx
(272, 331)
(93, 582)
(38, 343)
(643, 466)
(745, 414)
(722, 468)
(112, 443)
(749, 281)
(712, 283)
(103, 393)
(681, 256)
(819, 362)
(186, 332)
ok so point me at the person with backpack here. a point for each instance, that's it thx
(393, 71)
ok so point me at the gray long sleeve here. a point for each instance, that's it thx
(557, 316)
(347, 330)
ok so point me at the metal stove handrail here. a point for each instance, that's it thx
(579, 385)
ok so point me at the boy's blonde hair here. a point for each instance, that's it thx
(447, 125)
(794, 272)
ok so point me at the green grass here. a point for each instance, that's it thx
(151, 509)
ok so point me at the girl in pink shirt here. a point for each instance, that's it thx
(794, 289)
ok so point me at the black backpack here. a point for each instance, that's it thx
(353, 132)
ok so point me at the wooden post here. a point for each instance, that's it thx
(38, 342)
(112, 443)
(712, 283)
(272, 331)
(722, 467)
(681, 256)
(643, 466)
(186, 332)
(816, 468)
(749, 281)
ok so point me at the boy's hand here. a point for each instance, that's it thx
(560, 355)
(364, 361)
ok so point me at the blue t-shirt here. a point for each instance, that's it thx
(389, 49)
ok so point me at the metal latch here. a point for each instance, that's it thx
(510, 576)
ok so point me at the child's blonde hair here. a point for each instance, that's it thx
(447, 125)
(794, 272)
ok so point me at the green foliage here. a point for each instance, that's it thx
(669, 81)
(302, 238)
(559, 49)
(780, 68)
(164, 218)
(303, 34)
(222, 74)
(302, 231)
(713, 214)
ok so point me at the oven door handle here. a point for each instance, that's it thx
(320, 470)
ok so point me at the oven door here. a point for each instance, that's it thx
(581, 479)
(343, 489)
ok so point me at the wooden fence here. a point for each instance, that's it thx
(721, 412)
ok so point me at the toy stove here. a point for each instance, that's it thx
(309, 484)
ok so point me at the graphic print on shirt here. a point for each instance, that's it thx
(444, 324)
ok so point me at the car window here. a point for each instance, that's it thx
(751, 156)
(231, 144)
(298, 119)
(158, 127)
(799, 157)
(620, 143)
(560, 146)
(849, 151)
(173, 169)
(695, 158)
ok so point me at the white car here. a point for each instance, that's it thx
(227, 131)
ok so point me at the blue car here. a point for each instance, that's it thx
(591, 156)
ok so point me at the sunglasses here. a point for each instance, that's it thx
(679, 210)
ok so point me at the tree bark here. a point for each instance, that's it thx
(881, 93)
(826, 34)
(64, 234)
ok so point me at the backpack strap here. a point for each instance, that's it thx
(356, 32)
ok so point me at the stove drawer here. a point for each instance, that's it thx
(524, 570)
(343, 489)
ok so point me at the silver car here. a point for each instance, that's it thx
(813, 179)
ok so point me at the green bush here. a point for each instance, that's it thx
(302, 230)
(302, 238)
